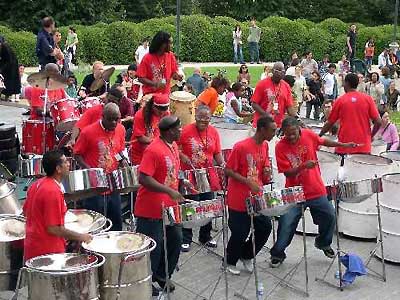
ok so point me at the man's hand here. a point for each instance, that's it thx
(160, 85)
(254, 187)
(86, 238)
(350, 145)
(309, 164)
(175, 195)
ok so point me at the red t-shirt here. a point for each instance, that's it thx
(139, 129)
(161, 162)
(98, 147)
(37, 102)
(157, 68)
(44, 207)
(92, 115)
(265, 90)
(290, 156)
(354, 111)
(249, 160)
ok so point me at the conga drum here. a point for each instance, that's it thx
(182, 104)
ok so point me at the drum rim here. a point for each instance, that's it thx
(37, 121)
(386, 206)
(243, 126)
(172, 98)
(333, 155)
(64, 99)
(363, 213)
(384, 177)
(368, 163)
(390, 151)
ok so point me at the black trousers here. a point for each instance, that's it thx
(240, 244)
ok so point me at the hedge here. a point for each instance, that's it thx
(205, 39)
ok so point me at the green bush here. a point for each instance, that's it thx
(334, 26)
(269, 44)
(306, 23)
(318, 41)
(23, 43)
(221, 47)
(93, 45)
(337, 47)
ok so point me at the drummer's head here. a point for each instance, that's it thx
(278, 72)
(291, 129)
(351, 82)
(115, 94)
(159, 104)
(170, 128)
(97, 69)
(55, 164)
(52, 68)
(203, 117)
(266, 127)
(160, 43)
(111, 116)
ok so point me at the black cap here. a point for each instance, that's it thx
(169, 122)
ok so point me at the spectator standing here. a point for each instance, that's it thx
(60, 56)
(243, 73)
(309, 65)
(291, 71)
(293, 57)
(142, 50)
(384, 59)
(71, 44)
(254, 39)
(45, 47)
(369, 53)
(392, 96)
(385, 80)
(299, 87)
(9, 70)
(197, 81)
(351, 44)
(375, 89)
(330, 86)
(361, 83)
(314, 96)
(237, 45)
(323, 66)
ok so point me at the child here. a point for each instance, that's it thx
(369, 53)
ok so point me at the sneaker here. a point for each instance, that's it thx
(155, 291)
(185, 248)
(163, 284)
(211, 244)
(233, 270)
(329, 252)
(248, 265)
(275, 262)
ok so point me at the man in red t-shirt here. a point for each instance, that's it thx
(273, 96)
(45, 210)
(158, 66)
(296, 157)
(199, 146)
(354, 111)
(101, 145)
(248, 169)
(158, 176)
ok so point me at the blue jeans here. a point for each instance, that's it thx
(237, 49)
(113, 203)
(368, 62)
(254, 52)
(153, 228)
(323, 214)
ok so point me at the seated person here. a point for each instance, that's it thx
(97, 71)
(233, 105)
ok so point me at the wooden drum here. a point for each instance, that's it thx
(182, 104)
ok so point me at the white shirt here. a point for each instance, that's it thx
(291, 71)
(229, 112)
(382, 61)
(329, 83)
(140, 52)
(299, 86)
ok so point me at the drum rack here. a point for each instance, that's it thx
(283, 281)
(376, 185)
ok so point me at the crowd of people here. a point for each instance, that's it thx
(135, 112)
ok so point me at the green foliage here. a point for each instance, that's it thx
(269, 44)
(23, 43)
(306, 23)
(318, 41)
(221, 43)
(334, 26)
(337, 47)
(93, 45)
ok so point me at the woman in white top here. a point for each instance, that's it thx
(299, 87)
(267, 72)
(233, 104)
(237, 45)
(375, 89)
(142, 50)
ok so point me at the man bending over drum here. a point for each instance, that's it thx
(97, 72)
(45, 210)
(296, 156)
(158, 176)
(248, 169)
(101, 145)
(200, 144)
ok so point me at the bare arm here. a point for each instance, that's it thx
(74, 135)
(153, 185)
(81, 161)
(377, 124)
(255, 188)
(146, 81)
(67, 234)
(331, 143)
(235, 107)
(327, 126)
(258, 109)
(306, 165)
(292, 111)
(219, 159)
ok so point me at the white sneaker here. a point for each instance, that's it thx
(248, 265)
(233, 270)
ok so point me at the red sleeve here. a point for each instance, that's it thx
(144, 68)
(373, 111)
(234, 159)
(149, 163)
(139, 128)
(281, 160)
(80, 146)
(317, 140)
(84, 120)
(54, 213)
(174, 65)
(334, 115)
(121, 138)
(258, 95)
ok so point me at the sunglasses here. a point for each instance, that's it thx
(161, 108)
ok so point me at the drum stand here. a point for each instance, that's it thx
(285, 281)
(46, 98)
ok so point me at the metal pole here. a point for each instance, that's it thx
(178, 28)
(396, 14)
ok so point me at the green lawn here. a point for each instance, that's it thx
(395, 118)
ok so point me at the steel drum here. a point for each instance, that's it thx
(196, 214)
(12, 234)
(391, 189)
(278, 202)
(81, 184)
(231, 133)
(32, 167)
(378, 146)
(124, 180)
(193, 182)
(395, 156)
(364, 166)
(63, 276)
(127, 254)
(9, 203)
(359, 190)
(328, 164)
(391, 241)
(86, 221)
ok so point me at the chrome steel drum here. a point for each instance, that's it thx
(32, 167)
(193, 182)
(278, 202)
(196, 214)
(85, 221)
(390, 217)
(12, 235)
(359, 190)
(391, 240)
(9, 203)
(395, 156)
(63, 276)
(81, 184)
(378, 146)
(129, 251)
(231, 133)
(124, 180)
(391, 190)
(365, 166)
(328, 164)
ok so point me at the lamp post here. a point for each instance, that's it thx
(394, 45)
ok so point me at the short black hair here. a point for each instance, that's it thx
(219, 81)
(168, 123)
(236, 86)
(114, 93)
(158, 40)
(290, 121)
(132, 67)
(352, 80)
(47, 22)
(51, 159)
(264, 122)
(331, 65)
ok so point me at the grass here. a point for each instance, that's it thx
(395, 118)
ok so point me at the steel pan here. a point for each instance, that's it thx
(391, 241)
(364, 166)
(86, 221)
(378, 146)
(231, 133)
(124, 180)
(193, 182)
(81, 184)
(131, 260)
(359, 190)
(11, 249)
(63, 276)
(328, 164)
(391, 188)
(200, 213)
(395, 156)
(390, 217)
(9, 203)
(32, 167)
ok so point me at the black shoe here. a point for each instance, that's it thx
(27, 113)
(275, 262)
(329, 252)
(163, 284)
(210, 244)
(155, 291)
